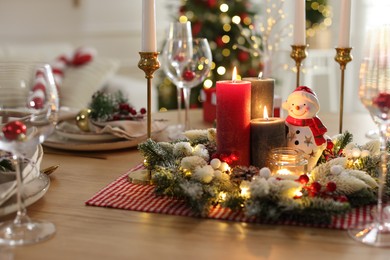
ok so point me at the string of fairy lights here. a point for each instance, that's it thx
(260, 36)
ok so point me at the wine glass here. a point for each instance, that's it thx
(29, 108)
(188, 63)
(374, 93)
(177, 30)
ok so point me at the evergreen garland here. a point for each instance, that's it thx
(189, 171)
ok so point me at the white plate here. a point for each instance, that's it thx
(69, 130)
(58, 142)
(34, 190)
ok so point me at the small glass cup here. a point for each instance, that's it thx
(287, 161)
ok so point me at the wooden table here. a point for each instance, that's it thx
(85, 232)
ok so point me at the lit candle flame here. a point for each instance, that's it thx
(265, 113)
(234, 76)
(283, 172)
(298, 193)
(260, 76)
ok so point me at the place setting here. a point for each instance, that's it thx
(258, 171)
(108, 123)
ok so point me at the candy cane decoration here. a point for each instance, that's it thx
(81, 56)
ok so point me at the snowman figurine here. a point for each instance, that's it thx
(305, 129)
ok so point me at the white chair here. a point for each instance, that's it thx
(320, 64)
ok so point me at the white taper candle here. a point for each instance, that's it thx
(149, 26)
(300, 23)
(345, 24)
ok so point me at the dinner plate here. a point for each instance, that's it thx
(33, 190)
(69, 130)
(59, 142)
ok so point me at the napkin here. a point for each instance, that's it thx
(30, 171)
(128, 129)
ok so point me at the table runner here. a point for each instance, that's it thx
(122, 194)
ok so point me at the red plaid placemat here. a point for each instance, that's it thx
(122, 194)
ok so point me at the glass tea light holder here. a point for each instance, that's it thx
(287, 161)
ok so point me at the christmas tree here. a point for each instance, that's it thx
(217, 21)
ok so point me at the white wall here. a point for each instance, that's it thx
(114, 28)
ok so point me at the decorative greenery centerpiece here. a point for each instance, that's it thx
(105, 106)
(190, 169)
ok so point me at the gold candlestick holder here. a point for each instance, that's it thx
(298, 54)
(149, 64)
(343, 56)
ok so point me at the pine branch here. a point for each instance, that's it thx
(156, 155)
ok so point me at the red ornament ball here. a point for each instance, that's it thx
(219, 42)
(252, 72)
(188, 75)
(212, 3)
(196, 28)
(243, 56)
(14, 130)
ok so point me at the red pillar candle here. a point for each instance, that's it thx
(233, 119)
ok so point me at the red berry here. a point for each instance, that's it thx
(215, 155)
(143, 111)
(124, 107)
(133, 111)
(14, 130)
(331, 186)
(234, 157)
(342, 198)
(188, 75)
(316, 187)
(304, 179)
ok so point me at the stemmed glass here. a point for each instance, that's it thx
(188, 63)
(177, 31)
(29, 108)
(374, 92)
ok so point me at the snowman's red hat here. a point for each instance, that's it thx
(306, 93)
